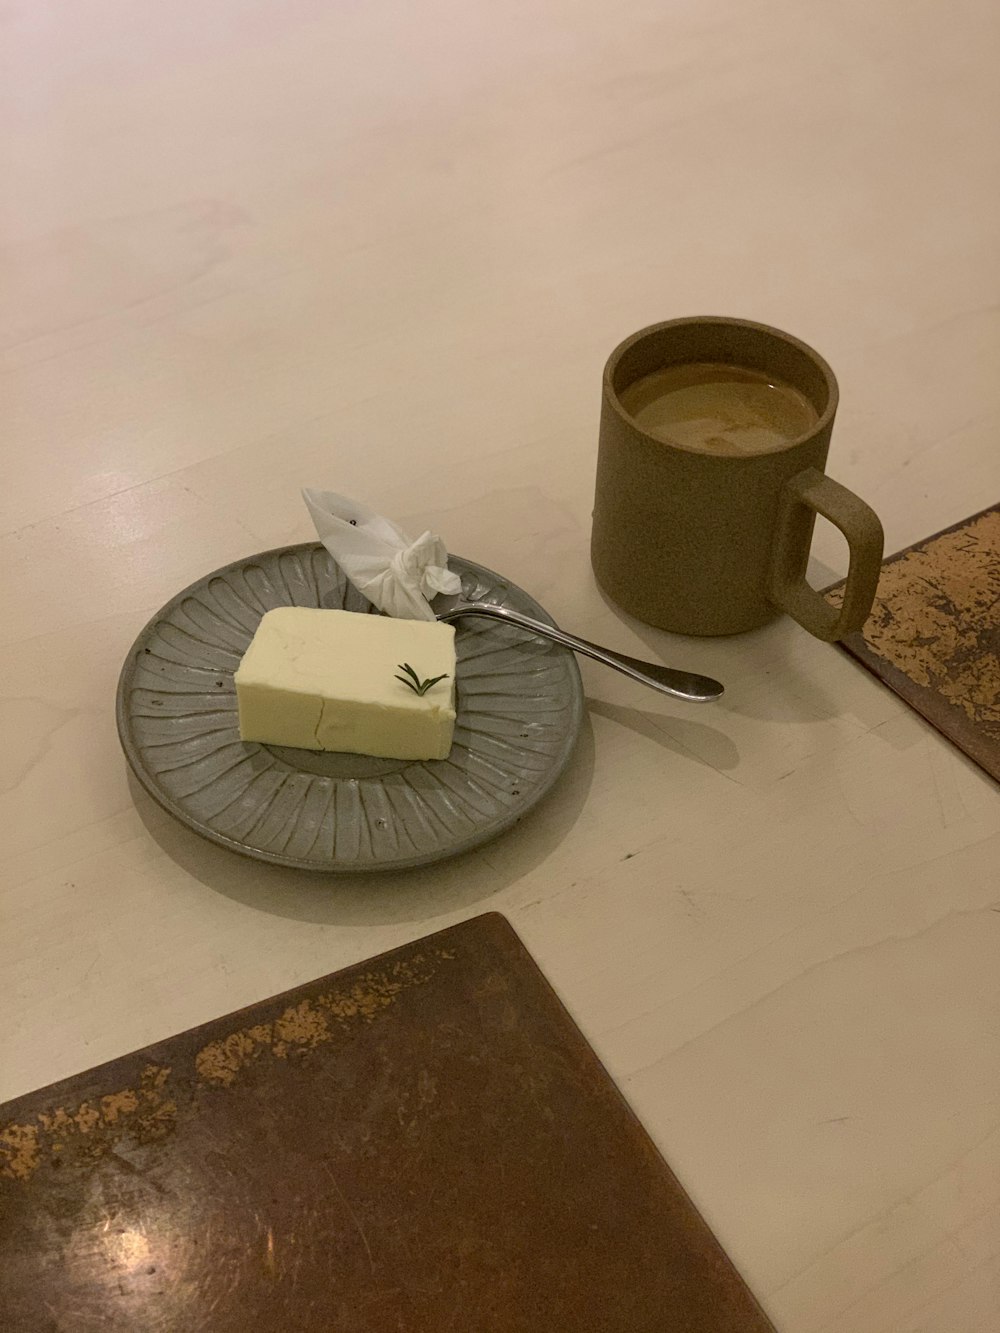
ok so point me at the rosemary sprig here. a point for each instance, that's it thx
(413, 681)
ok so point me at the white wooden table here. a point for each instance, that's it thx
(386, 249)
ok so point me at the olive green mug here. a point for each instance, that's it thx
(698, 541)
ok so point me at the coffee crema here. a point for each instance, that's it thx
(714, 408)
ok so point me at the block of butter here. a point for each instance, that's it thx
(326, 680)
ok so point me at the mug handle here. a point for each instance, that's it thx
(803, 496)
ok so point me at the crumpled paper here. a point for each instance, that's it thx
(396, 573)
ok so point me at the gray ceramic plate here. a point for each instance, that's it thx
(519, 703)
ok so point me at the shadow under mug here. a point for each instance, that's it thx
(707, 543)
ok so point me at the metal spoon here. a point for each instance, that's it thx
(680, 684)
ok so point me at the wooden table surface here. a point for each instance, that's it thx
(386, 249)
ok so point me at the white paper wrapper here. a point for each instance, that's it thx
(397, 574)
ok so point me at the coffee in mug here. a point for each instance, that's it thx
(718, 408)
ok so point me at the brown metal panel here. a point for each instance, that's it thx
(934, 633)
(421, 1142)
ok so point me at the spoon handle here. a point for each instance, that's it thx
(680, 684)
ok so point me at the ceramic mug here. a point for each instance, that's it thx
(702, 542)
